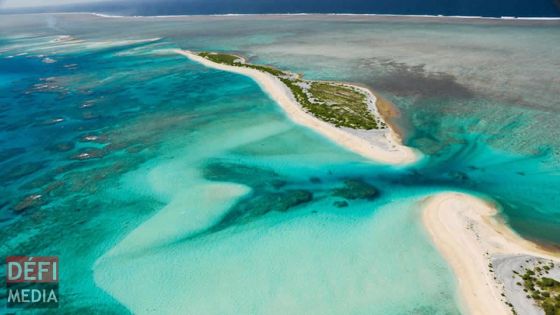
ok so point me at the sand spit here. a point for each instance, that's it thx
(471, 238)
(382, 145)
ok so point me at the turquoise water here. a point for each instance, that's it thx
(166, 186)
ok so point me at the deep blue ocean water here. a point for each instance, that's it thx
(519, 8)
(407, 7)
(121, 157)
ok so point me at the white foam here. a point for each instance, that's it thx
(335, 14)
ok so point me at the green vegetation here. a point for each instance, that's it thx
(346, 106)
(338, 104)
(233, 60)
(543, 290)
(270, 70)
(220, 58)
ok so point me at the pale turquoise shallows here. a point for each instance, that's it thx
(167, 187)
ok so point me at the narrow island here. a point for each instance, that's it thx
(345, 113)
(498, 271)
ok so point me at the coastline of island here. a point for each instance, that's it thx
(492, 264)
(464, 228)
(380, 145)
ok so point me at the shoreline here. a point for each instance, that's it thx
(469, 235)
(388, 111)
(465, 229)
(382, 146)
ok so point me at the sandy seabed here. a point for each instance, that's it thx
(464, 228)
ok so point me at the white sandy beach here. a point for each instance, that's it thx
(463, 227)
(383, 146)
(468, 233)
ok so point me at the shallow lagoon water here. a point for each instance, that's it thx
(200, 194)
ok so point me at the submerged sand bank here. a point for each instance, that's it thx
(379, 145)
(469, 235)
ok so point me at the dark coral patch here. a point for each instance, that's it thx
(356, 189)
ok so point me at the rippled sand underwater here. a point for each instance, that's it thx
(165, 186)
